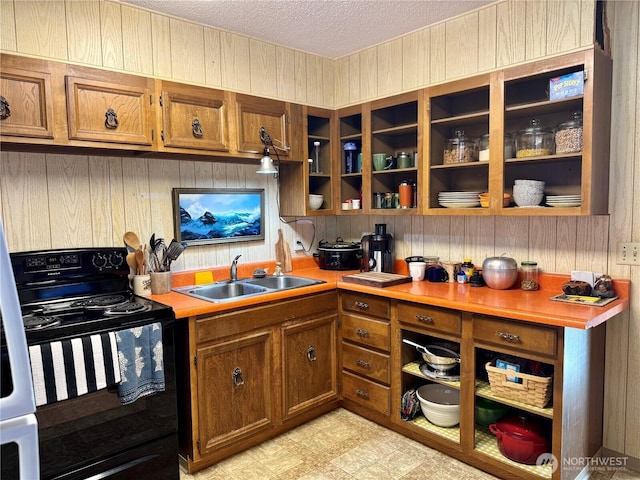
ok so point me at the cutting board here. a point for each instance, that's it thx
(376, 279)
(283, 253)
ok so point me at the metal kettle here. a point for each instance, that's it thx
(377, 250)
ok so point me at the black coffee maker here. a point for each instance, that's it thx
(378, 250)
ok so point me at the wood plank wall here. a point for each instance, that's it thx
(49, 201)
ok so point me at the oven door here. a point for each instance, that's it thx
(95, 436)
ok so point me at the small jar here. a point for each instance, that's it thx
(467, 268)
(388, 200)
(529, 275)
(569, 135)
(405, 190)
(460, 149)
(535, 141)
(508, 145)
(483, 148)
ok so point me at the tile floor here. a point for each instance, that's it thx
(342, 445)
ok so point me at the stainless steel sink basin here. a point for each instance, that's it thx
(282, 283)
(228, 291)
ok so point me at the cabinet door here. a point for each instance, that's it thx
(234, 389)
(27, 107)
(309, 364)
(254, 113)
(117, 110)
(194, 117)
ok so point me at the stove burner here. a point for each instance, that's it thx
(36, 322)
(100, 302)
(127, 308)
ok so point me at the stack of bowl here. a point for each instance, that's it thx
(528, 193)
(484, 200)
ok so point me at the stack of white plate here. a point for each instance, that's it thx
(564, 200)
(459, 199)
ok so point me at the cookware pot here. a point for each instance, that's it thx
(439, 358)
(500, 273)
(520, 439)
(340, 255)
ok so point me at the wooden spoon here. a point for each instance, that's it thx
(132, 241)
(131, 261)
(140, 261)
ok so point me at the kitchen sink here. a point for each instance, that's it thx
(229, 291)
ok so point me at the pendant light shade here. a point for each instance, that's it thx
(266, 164)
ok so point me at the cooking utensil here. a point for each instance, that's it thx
(443, 360)
(139, 261)
(520, 439)
(131, 261)
(172, 252)
(132, 241)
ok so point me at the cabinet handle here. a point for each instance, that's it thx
(362, 394)
(111, 119)
(509, 337)
(363, 364)
(237, 377)
(196, 128)
(362, 305)
(362, 333)
(4, 108)
(311, 354)
(424, 319)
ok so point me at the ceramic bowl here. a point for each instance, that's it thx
(440, 404)
(315, 201)
(527, 196)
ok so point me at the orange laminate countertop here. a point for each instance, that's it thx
(514, 303)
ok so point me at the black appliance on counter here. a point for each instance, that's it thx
(378, 250)
(75, 293)
(339, 255)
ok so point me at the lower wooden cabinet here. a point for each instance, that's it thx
(249, 374)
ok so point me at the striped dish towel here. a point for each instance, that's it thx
(69, 368)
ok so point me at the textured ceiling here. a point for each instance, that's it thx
(330, 28)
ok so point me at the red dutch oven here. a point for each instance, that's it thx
(520, 439)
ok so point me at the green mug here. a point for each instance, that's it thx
(380, 161)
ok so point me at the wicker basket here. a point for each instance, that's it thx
(533, 390)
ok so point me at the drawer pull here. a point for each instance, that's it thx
(111, 119)
(311, 354)
(4, 108)
(509, 337)
(362, 394)
(362, 333)
(424, 319)
(362, 305)
(196, 128)
(237, 377)
(363, 364)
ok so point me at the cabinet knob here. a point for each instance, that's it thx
(362, 305)
(4, 108)
(363, 364)
(237, 377)
(362, 394)
(111, 119)
(196, 128)
(424, 319)
(362, 333)
(311, 354)
(509, 337)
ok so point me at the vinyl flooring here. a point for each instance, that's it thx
(342, 445)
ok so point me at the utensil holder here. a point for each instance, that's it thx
(160, 282)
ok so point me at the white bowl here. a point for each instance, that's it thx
(440, 404)
(315, 201)
(538, 184)
(526, 196)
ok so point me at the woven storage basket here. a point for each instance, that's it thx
(533, 390)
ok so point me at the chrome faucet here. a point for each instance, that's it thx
(233, 273)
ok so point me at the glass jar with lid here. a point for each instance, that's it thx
(569, 134)
(508, 145)
(534, 141)
(529, 274)
(483, 148)
(460, 149)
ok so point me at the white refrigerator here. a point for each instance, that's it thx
(18, 424)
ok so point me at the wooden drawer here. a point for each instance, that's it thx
(430, 318)
(367, 393)
(517, 335)
(362, 303)
(366, 362)
(366, 331)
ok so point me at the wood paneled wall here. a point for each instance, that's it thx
(49, 201)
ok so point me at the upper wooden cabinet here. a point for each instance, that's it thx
(26, 104)
(252, 113)
(109, 107)
(194, 117)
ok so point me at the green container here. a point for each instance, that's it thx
(488, 411)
